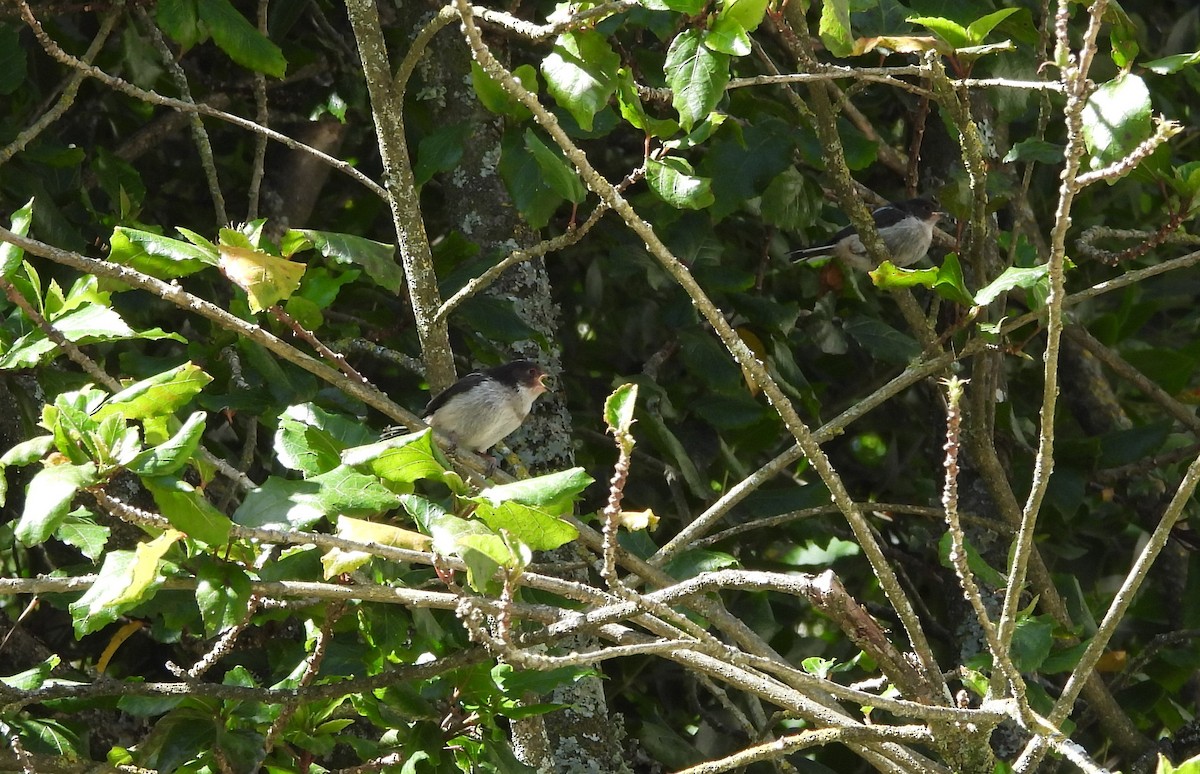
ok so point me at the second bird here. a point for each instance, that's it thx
(483, 407)
(906, 229)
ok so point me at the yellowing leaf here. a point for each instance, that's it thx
(145, 565)
(382, 534)
(635, 521)
(339, 561)
(266, 279)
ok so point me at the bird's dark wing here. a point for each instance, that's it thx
(473, 379)
(888, 215)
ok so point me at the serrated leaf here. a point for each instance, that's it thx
(834, 27)
(522, 176)
(303, 442)
(632, 110)
(11, 255)
(345, 490)
(975, 563)
(619, 408)
(48, 499)
(697, 76)
(168, 457)
(1012, 277)
(267, 279)
(240, 39)
(281, 504)
(554, 492)
(496, 99)
(29, 451)
(728, 36)
(581, 73)
(222, 594)
(158, 395)
(404, 460)
(188, 510)
(673, 180)
(532, 526)
(87, 325)
(157, 255)
(79, 529)
(556, 170)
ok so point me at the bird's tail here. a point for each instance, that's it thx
(811, 253)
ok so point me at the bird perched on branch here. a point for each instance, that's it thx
(906, 229)
(483, 407)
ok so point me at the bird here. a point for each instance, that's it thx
(906, 229)
(483, 407)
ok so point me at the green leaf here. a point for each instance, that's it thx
(89, 324)
(1032, 641)
(691, 563)
(168, 457)
(238, 38)
(377, 259)
(556, 171)
(975, 563)
(345, 490)
(522, 176)
(305, 439)
(11, 255)
(632, 110)
(581, 74)
(748, 13)
(188, 510)
(157, 255)
(1169, 65)
(181, 20)
(33, 678)
(697, 76)
(48, 499)
(619, 407)
(126, 579)
(161, 394)
(13, 60)
(882, 341)
(441, 150)
(281, 504)
(673, 180)
(950, 283)
(532, 526)
(1013, 277)
(29, 451)
(405, 460)
(80, 529)
(222, 593)
(956, 35)
(1116, 119)
(496, 99)
(554, 493)
(978, 30)
(835, 27)
(728, 36)
(1033, 149)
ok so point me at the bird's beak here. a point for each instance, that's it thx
(541, 383)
